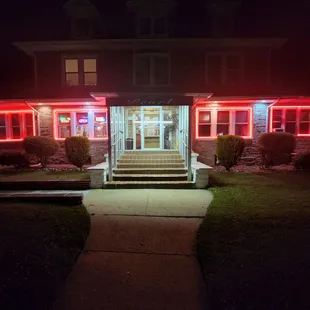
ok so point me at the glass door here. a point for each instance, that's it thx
(151, 131)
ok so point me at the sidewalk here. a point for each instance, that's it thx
(137, 262)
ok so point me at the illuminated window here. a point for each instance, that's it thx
(16, 126)
(223, 68)
(151, 70)
(214, 122)
(87, 123)
(81, 71)
(152, 26)
(293, 120)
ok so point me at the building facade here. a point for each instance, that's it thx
(152, 86)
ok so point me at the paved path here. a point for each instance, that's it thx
(149, 202)
(137, 262)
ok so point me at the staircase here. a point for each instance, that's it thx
(150, 169)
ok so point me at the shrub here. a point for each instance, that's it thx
(229, 149)
(77, 150)
(302, 162)
(41, 147)
(276, 148)
(18, 159)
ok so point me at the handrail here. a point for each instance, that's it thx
(116, 142)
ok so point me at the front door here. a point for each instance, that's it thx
(151, 134)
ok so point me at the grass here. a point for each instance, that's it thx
(36, 175)
(254, 243)
(39, 246)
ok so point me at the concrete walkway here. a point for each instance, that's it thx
(149, 202)
(138, 262)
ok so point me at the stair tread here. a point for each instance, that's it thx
(149, 182)
(150, 169)
(151, 175)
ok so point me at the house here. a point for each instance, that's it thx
(152, 82)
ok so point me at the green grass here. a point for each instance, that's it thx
(254, 243)
(43, 175)
(39, 246)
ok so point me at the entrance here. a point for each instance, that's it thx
(151, 127)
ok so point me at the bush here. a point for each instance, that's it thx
(303, 162)
(276, 148)
(41, 147)
(229, 149)
(77, 150)
(18, 159)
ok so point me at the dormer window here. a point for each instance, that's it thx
(152, 26)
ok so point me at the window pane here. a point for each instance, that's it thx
(204, 130)
(290, 115)
(72, 66)
(214, 69)
(16, 132)
(304, 128)
(161, 70)
(28, 119)
(2, 133)
(90, 79)
(277, 115)
(241, 117)
(2, 120)
(205, 117)
(82, 124)
(90, 65)
(29, 131)
(72, 79)
(305, 115)
(64, 118)
(223, 117)
(15, 119)
(242, 130)
(160, 26)
(233, 62)
(100, 125)
(223, 129)
(142, 70)
(64, 131)
(144, 26)
(276, 125)
(64, 122)
(290, 127)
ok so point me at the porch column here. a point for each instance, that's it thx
(110, 145)
(189, 143)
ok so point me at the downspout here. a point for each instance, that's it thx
(38, 115)
(269, 116)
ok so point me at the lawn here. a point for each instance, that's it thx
(254, 243)
(43, 175)
(39, 245)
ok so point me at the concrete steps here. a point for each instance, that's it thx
(150, 169)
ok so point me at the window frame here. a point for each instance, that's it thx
(81, 72)
(284, 109)
(151, 56)
(152, 20)
(232, 121)
(22, 121)
(224, 68)
(73, 124)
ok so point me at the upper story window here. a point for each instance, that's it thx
(224, 68)
(81, 122)
(16, 126)
(223, 121)
(80, 71)
(293, 120)
(152, 69)
(152, 26)
(83, 28)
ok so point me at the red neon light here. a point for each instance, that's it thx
(22, 125)
(291, 107)
(55, 133)
(250, 110)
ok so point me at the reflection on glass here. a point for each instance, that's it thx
(100, 125)
(64, 125)
(82, 128)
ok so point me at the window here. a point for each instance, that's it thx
(293, 120)
(81, 71)
(83, 28)
(213, 122)
(87, 123)
(223, 68)
(16, 126)
(152, 26)
(152, 70)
